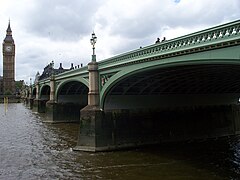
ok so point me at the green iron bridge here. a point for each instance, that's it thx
(177, 90)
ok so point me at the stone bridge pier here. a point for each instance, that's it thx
(91, 118)
(116, 129)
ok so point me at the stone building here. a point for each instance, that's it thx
(49, 70)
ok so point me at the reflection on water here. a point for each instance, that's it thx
(31, 149)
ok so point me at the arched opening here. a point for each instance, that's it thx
(44, 98)
(45, 93)
(34, 93)
(180, 102)
(71, 98)
(207, 84)
(73, 92)
(27, 93)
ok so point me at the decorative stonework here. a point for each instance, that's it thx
(105, 78)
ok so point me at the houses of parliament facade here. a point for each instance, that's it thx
(7, 81)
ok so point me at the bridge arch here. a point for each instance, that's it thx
(27, 92)
(34, 92)
(72, 91)
(61, 84)
(175, 78)
(71, 97)
(45, 92)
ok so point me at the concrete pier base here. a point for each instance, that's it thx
(50, 111)
(30, 103)
(91, 133)
(116, 129)
(25, 100)
(36, 104)
(62, 112)
(42, 105)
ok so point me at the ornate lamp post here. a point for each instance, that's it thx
(93, 94)
(91, 115)
(93, 41)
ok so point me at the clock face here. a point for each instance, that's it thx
(8, 48)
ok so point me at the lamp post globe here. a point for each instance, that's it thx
(93, 41)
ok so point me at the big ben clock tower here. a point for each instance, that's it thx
(8, 63)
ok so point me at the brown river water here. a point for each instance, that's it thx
(32, 149)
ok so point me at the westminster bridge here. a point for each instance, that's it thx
(176, 90)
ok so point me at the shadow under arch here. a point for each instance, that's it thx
(172, 79)
(45, 92)
(72, 92)
(34, 93)
(71, 97)
(80, 80)
(44, 97)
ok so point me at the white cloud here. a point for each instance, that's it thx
(60, 30)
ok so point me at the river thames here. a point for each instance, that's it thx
(32, 149)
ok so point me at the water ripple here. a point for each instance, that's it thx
(31, 149)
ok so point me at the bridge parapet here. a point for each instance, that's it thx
(72, 73)
(209, 37)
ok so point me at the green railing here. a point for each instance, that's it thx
(208, 36)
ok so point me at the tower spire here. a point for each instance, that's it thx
(9, 30)
(9, 37)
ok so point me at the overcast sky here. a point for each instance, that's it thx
(60, 30)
